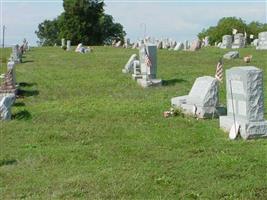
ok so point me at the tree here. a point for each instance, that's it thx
(82, 21)
(226, 25)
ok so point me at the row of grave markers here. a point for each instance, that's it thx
(235, 41)
(8, 88)
(244, 85)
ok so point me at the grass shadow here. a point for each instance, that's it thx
(19, 104)
(27, 61)
(24, 84)
(22, 115)
(27, 93)
(7, 162)
(172, 81)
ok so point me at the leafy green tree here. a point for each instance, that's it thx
(226, 25)
(82, 21)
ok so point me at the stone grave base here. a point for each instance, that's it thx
(149, 83)
(200, 112)
(237, 46)
(261, 47)
(136, 76)
(248, 130)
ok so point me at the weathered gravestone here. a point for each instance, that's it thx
(62, 42)
(231, 55)
(239, 41)
(226, 42)
(245, 102)
(11, 66)
(6, 101)
(186, 45)
(262, 42)
(68, 45)
(136, 70)
(8, 84)
(148, 71)
(203, 99)
(129, 67)
(16, 54)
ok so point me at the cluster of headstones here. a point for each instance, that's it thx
(8, 88)
(239, 41)
(166, 43)
(144, 74)
(80, 48)
(245, 102)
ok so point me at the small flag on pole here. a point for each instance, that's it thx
(234, 31)
(219, 71)
(147, 59)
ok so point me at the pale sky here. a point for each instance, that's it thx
(179, 20)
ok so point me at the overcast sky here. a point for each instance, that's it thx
(179, 20)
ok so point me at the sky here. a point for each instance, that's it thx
(179, 20)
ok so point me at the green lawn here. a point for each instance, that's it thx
(84, 130)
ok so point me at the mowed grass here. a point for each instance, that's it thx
(84, 130)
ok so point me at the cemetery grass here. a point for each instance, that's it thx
(84, 130)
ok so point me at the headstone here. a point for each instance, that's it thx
(6, 101)
(195, 45)
(231, 55)
(203, 99)
(239, 41)
(206, 41)
(63, 43)
(186, 45)
(118, 44)
(16, 54)
(226, 42)
(68, 45)
(262, 43)
(179, 46)
(245, 102)
(255, 42)
(8, 84)
(129, 67)
(11, 66)
(159, 45)
(149, 73)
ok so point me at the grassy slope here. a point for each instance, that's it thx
(85, 130)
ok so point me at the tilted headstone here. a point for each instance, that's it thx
(226, 42)
(136, 70)
(118, 44)
(68, 45)
(231, 55)
(203, 99)
(6, 101)
(149, 73)
(129, 67)
(245, 102)
(239, 41)
(262, 42)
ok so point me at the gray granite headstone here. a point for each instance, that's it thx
(262, 42)
(226, 42)
(129, 67)
(239, 41)
(68, 45)
(203, 99)
(245, 102)
(6, 101)
(149, 73)
(231, 55)
(16, 54)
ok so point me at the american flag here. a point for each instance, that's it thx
(219, 71)
(147, 59)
